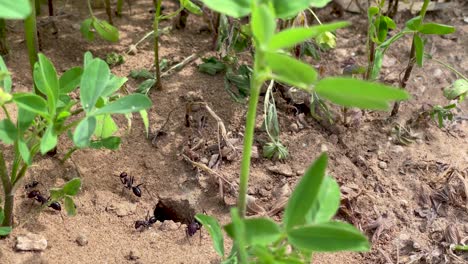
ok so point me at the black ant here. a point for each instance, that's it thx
(149, 221)
(36, 195)
(193, 227)
(31, 185)
(128, 182)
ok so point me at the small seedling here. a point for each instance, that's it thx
(114, 59)
(104, 29)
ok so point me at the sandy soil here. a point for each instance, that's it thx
(404, 198)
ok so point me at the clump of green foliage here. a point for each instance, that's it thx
(306, 226)
(41, 121)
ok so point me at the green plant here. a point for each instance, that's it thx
(306, 228)
(272, 62)
(378, 43)
(457, 91)
(30, 31)
(104, 29)
(184, 4)
(41, 122)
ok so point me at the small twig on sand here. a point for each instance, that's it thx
(158, 132)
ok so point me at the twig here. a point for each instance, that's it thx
(209, 170)
(180, 65)
(156, 134)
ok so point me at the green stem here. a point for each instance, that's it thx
(90, 9)
(450, 68)
(6, 183)
(68, 154)
(4, 50)
(6, 112)
(255, 88)
(157, 15)
(461, 247)
(119, 7)
(30, 30)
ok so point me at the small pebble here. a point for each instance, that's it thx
(169, 225)
(81, 240)
(31, 242)
(283, 169)
(204, 160)
(294, 127)
(133, 255)
(255, 154)
(383, 165)
(323, 148)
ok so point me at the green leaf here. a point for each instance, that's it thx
(327, 203)
(291, 37)
(145, 86)
(211, 224)
(106, 30)
(390, 23)
(305, 194)
(8, 131)
(84, 131)
(357, 93)
(105, 126)
(419, 49)
(70, 206)
(70, 80)
(17, 9)
(25, 119)
(49, 139)
(93, 83)
(383, 30)
(46, 80)
(457, 90)
(87, 59)
(5, 82)
(261, 231)
(233, 8)
(113, 85)
(296, 73)
(263, 24)
(287, 9)
(211, 66)
(24, 152)
(128, 104)
(328, 237)
(141, 73)
(237, 231)
(112, 143)
(72, 187)
(144, 117)
(437, 29)
(414, 23)
(191, 7)
(56, 194)
(86, 29)
(31, 102)
(5, 230)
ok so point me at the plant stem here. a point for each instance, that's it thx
(50, 4)
(450, 68)
(461, 247)
(255, 87)
(6, 183)
(90, 9)
(118, 11)
(68, 154)
(405, 79)
(3, 41)
(411, 61)
(30, 30)
(108, 11)
(156, 43)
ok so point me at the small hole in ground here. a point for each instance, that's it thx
(176, 210)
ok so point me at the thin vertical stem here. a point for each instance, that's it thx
(157, 14)
(108, 11)
(118, 11)
(7, 187)
(255, 88)
(50, 4)
(30, 30)
(4, 50)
